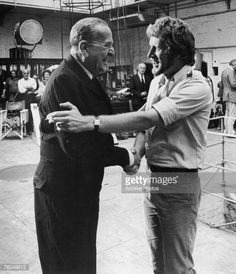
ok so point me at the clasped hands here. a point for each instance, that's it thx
(133, 169)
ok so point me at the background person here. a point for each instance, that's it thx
(27, 87)
(45, 76)
(3, 77)
(42, 84)
(139, 86)
(70, 172)
(11, 87)
(228, 79)
(176, 119)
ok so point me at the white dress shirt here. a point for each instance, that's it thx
(23, 84)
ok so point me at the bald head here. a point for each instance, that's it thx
(25, 73)
(85, 29)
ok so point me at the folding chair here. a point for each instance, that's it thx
(14, 119)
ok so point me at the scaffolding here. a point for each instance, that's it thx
(228, 198)
(87, 7)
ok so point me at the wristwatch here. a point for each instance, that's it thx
(96, 123)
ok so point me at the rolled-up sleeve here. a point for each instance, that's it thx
(192, 97)
(168, 110)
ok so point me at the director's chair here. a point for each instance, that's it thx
(14, 119)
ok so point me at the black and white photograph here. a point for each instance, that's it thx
(117, 136)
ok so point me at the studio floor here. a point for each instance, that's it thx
(121, 246)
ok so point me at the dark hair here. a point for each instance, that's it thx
(175, 37)
(46, 71)
(84, 29)
(13, 71)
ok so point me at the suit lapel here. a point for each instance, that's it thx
(92, 85)
(138, 79)
(97, 88)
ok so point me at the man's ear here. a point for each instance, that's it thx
(83, 48)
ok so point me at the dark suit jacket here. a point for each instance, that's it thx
(71, 154)
(136, 87)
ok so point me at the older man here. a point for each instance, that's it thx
(228, 80)
(176, 118)
(69, 176)
(139, 86)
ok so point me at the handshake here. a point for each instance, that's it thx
(133, 169)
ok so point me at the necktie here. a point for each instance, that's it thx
(143, 84)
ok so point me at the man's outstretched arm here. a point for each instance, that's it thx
(71, 120)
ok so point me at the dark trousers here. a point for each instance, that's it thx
(66, 225)
(171, 227)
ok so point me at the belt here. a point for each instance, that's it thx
(171, 169)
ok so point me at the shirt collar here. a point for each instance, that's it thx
(140, 76)
(181, 74)
(84, 69)
(87, 71)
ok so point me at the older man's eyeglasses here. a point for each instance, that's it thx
(105, 46)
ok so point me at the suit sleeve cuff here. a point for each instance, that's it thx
(131, 157)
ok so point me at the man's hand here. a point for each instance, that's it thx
(133, 169)
(70, 120)
(143, 94)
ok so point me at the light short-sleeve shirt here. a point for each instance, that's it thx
(180, 140)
